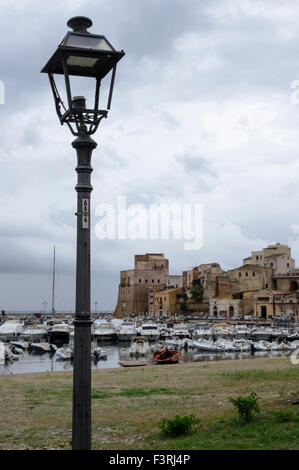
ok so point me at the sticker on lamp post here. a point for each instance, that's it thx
(85, 213)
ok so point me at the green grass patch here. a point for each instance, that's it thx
(41, 395)
(138, 392)
(268, 431)
(260, 374)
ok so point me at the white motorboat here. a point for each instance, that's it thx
(42, 348)
(2, 353)
(276, 346)
(284, 333)
(98, 353)
(226, 345)
(15, 350)
(293, 335)
(24, 345)
(34, 333)
(276, 333)
(286, 346)
(181, 331)
(242, 345)
(165, 333)
(139, 346)
(64, 354)
(222, 331)
(262, 346)
(202, 331)
(150, 331)
(104, 332)
(294, 345)
(126, 331)
(184, 343)
(9, 355)
(241, 331)
(174, 343)
(261, 333)
(205, 345)
(60, 332)
(11, 330)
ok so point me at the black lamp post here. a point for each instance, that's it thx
(86, 55)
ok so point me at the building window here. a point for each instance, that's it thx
(240, 274)
(153, 281)
(288, 265)
(158, 281)
(139, 281)
(266, 286)
(253, 274)
(146, 281)
(246, 274)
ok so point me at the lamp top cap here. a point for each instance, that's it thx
(79, 23)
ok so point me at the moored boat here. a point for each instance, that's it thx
(126, 331)
(60, 332)
(226, 345)
(261, 333)
(262, 346)
(42, 348)
(34, 333)
(64, 354)
(241, 331)
(24, 345)
(10, 330)
(104, 332)
(150, 331)
(205, 345)
(167, 356)
(98, 353)
(139, 346)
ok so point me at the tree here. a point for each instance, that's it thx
(196, 291)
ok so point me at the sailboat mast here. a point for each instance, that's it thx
(53, 284)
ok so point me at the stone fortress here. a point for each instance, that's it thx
(265, 286)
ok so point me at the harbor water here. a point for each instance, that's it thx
(32, 363)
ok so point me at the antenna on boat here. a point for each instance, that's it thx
(53, 284)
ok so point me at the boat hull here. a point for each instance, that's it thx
(124, 336)
(167, 356)
(104, 337)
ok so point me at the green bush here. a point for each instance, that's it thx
(177, 426)
(246, 406)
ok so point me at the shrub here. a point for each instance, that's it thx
(246, 406)
(177, 426)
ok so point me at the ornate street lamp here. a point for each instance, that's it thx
(85, 55)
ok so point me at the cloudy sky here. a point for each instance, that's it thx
(203, 112)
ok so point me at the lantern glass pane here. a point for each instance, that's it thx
(81, 61)
(87, 42)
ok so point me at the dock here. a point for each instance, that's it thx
(132, 363)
